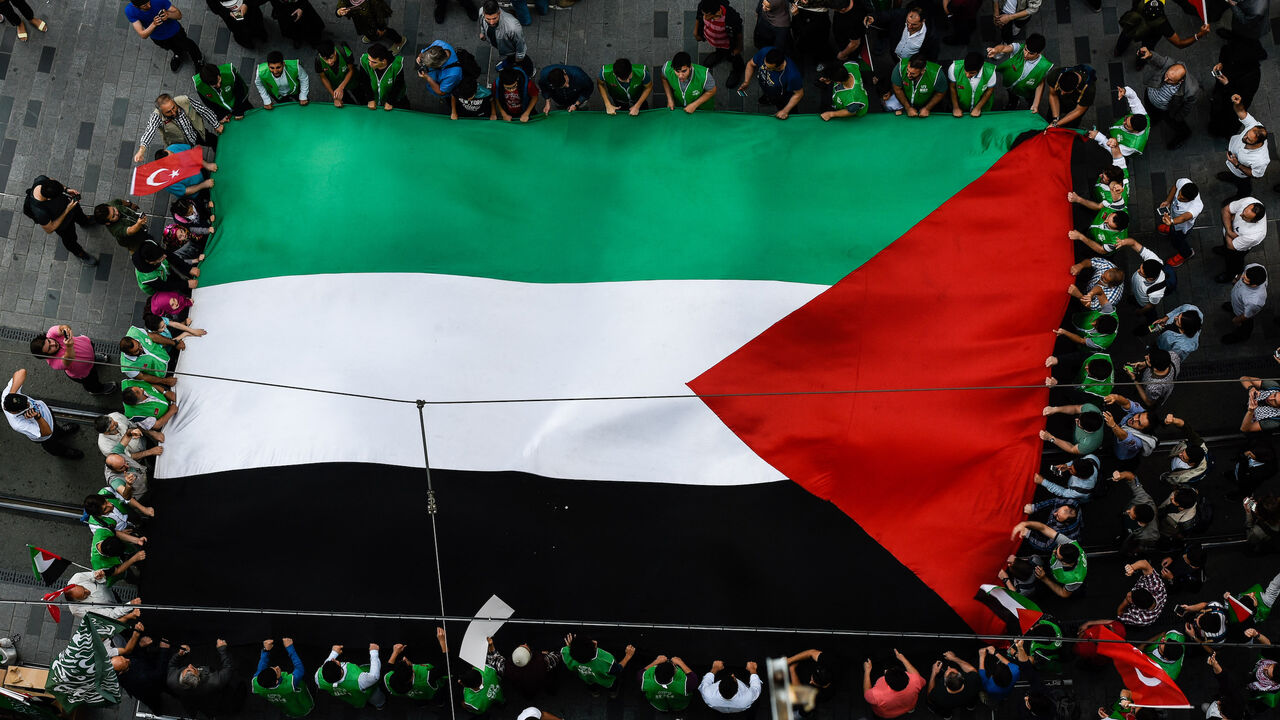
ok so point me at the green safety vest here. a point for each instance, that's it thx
(106, 523)
(1100, 387)
(1103, 193)
(1172, 668)
(1066, 576)
(693, 91)
(269, 80)
(423, 688)
(634, 87)
(97, 560)
(153, 360)
(1263, 609)
(381, 85)
(919, 91)
(842, 98)
(964, 92)
(1104, 235)
(1050, 651)
(335, 73)
(595, 672)
(1017, 78)
(348, 688)
(1085, 322)
(154, 404)
(479, 701)
(1137, 142)
(160, 272)
(672, 697)
(224, 95)
(290, 700)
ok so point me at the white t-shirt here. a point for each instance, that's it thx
(973, 81)
(1250, 233)
(1248, 301)
(1140, 284)
(745, 696)
(910, 43)
(530, 713)
(1256, 158)
(1177, 207)
(25, 425)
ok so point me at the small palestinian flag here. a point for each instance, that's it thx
(1018, 611)
(1240, 611)
(47, 566)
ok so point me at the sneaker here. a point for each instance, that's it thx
(1177, 260)
(69, 429)
(1226, 177)
(106, 389)
(88, 259)
(175, 62)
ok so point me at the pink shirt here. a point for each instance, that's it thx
(82, 365)
(886, 702)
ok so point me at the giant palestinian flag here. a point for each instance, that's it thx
(699, 369)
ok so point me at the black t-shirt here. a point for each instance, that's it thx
(474, 107)
(1082, 95)
(847, 27)
(44, 211)
(944, 700)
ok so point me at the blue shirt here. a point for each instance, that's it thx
(1174, 341)
(179, 189)
(1131, 445)
(299, 674)
(777, 82)
(995, 691)
(167, 29)
(579, 89)
(447, 76)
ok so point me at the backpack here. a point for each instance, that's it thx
(467, 62)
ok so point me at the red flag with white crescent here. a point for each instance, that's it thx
(162, 173)
(1150, 684)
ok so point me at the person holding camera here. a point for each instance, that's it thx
(56, 209)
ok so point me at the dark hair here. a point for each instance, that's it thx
(50, 187)
(326, 48)
(1113, 173)
(973, 61)
(1035, 43)
(466, 88)
(1040, 705)
(209, 72)
(1143, 598)
(1255, 274)
(1068, 81)
(1071, 555)
(1151, 268)
(955, 682)
(1185, 497)
(1091, 422)
(622, 67)
(159, 153)
(111, 546)
(897, 678)
(490, 7)
(93, 504)
(1044, 629)
(728, 686)
(918, 62)
(1022, 569)
(1191, 322)
(102, 423)
(401, 681)
(1190, 190)
(1160, 359)
(152, 322)
(664, 672)
(1144, 513)
(508, 76)
(835, 71)
(681, 59)
(1099, 368)
(775, 56)
(556, 77)
(1106, 324)
(1172, 651)
(1139, 122)
(1195, 454)
(125, 344)
(150, 253)
(582, 649)
(1259, 210)
(707, 7)
(37, 346)
(378, 51)
(1002, 675)
(138, 3)
(472, 679)
(331, 671)
(274, 57)
(1121, 218)
(15, 403)
(1196, 555)
(102, 213)
(268, 678)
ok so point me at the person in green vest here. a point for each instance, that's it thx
(106, 511)
(416, 681)
(972, 82)
(1107, 229)
(155, 272)
(380, 79)
(1166, 649)
(687, 84)
(335, 65)
(1043, 644)
(146, 405)
(355, 685)
(666, 684)
(848, 94)
(1067, 565)
(1095, 330)
(288, 692)
(223, 91)
(1023, 70)
(482, 687)
(624, 86)
(142, 358)
(1097, 375)
(919, 85)
(597, 668)
(1132, 130)
(281, 81)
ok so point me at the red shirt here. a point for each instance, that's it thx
(886, 702)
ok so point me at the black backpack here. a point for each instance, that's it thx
(467, 62)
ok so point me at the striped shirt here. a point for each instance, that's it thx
(1112, 294)
(1134, 616)
(156, 121)
(716, 32)
(1160, 96)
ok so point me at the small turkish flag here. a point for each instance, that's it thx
(1150, 684)
(166, 171)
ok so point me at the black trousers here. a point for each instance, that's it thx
(57, 445)
(181, 45)
(1180, 127)
(67, 231)
(9, 9)
(91, 382)
(719, 55)
(1235, 260)
(1242, 331)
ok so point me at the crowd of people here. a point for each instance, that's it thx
(865, 57)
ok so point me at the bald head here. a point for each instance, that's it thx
(1113, 277)
(119, 663)
(77, 593)
(116, 462)
(1175, 74)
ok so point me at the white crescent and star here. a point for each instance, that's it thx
(151, 179)
(1145, 680)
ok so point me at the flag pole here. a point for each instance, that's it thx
(82, 567)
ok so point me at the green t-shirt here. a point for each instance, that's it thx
(120, 228)
(1089, 442)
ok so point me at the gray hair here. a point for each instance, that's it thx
(189, 680)
(435, 57)
(163, 98)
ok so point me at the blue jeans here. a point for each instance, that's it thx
(520, 9)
